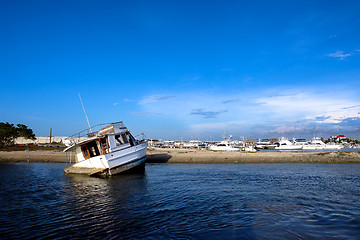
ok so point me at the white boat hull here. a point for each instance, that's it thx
(114, 162)
(125, 156)
(223, 148)
(321, 147)
(250, 149)
(289, 147)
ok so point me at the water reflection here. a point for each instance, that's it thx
(200, 201)
(99, 206)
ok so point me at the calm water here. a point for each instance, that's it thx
(182, 201)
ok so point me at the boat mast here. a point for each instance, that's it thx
(85, 112)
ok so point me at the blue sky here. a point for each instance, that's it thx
(183, 69)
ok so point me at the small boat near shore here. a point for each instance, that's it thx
(109, 151)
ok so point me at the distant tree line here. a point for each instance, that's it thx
(9, 132)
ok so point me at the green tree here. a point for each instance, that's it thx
(9, 132)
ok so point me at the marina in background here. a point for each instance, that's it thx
(226, 144)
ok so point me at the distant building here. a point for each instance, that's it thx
(338, 138)
(154, 142)
(42, 140)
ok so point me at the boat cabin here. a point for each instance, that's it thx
(109, 139)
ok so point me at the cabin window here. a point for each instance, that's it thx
(118, 140)
(104, 146)
(131, 139)
(85, 151)
(121, 139)
(90, 149)
(124, 137)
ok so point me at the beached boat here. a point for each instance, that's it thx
(317, 144)
(109, 151)
(285, 144)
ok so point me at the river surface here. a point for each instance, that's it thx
(182, 201)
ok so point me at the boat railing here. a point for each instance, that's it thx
(87, 133)
(90, 132)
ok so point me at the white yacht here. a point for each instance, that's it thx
(285, 144)
(264, 144)
(225, 145)
(229, 145)
(110, 150)
(317, 144)
(300, 141)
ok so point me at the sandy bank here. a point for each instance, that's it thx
(192, 156)
(33, 156)
(196, 156)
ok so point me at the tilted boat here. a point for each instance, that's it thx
(109, 151)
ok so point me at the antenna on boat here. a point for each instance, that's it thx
(85, 112)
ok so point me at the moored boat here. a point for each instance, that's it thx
(317, 144)
(225, 145)
(264, 144)
(109, 151)
(285, 144)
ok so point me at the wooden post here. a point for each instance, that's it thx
(50, 135)
(28, 154)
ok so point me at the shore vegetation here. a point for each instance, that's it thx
(9, 132)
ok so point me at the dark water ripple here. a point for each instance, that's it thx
(182, 201)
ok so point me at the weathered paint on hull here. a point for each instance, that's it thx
(126, 156)
(105, 171)
(123, 168)
(118, 162)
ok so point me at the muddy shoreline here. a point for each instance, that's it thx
(198, 156)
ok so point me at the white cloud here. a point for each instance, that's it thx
(340, 114)
(340, 55)
(290, 110)
(321, 108)
(283, 129)
(206, 113)
(231, 100)
(155, 98)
